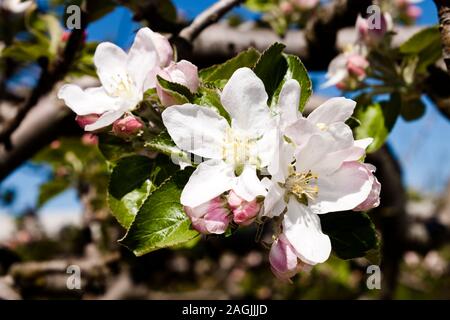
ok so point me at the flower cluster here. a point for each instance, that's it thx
(258, 161)
(290, 6)
(406, 11)
(313, 166)
(124, 80)
(349, 69)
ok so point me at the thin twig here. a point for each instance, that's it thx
(208, 17)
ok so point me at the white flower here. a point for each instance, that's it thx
(124, 78)
(234, 150)
(321, 174)
(16, 6)
(345, 67)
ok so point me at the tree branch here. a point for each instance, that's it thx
(207, 18)
(220, 42)
(322, 29)
(50, 75)
(443, 7)
(45, 122)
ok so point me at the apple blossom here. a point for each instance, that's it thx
(89, 139)
(244, 212)
(16, 6)
(306, 4)
(127, 126)
(372, 35)
(373, 199)
(85, 120)
(124, 78)
(286, 7)
(347, 69)
(413, 12)
(182, 72)
(323, 175)
(233, 151)
(283, 259)
(210, 217)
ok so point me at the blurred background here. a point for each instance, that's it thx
(53, 211)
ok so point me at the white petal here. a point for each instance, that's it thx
(274, 203)
(199, 130)
(363, 143)
(248, 186)
(267, 145)
(303, 230)
(337, 70)
(245, 99)
(89, 101)
(334, 79)
(333, 110)
(342, 135)
(142, 58)
(344, 189)
(281, 163)
(105, 120)
(288, 103)
(163, 48)
(301, 130)
(313, 156)
(210, 179)
(111, 61)
(357, 151)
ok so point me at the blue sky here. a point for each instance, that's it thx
(421, 146)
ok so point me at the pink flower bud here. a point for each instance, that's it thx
(283, 259)
(83, 121)
(373, 199)
(89, 139)
(413, 12)
(184, 73)
(55, 144)
(66, 35)
(286, 7)
(357, 65)
(372, 34)
(127, 126)
(341, 85)
(210, 217)
(306, 4)
(244, 212)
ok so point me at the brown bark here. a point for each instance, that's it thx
(443, 7)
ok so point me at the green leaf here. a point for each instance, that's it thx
(296, 70)
(163, 143)
(421, 40)
(126, 208)
(260, 5)
(129, 174)
(181, 93)
(376, 121)
(211, 97)
(412, 109)
(425, 46)
(274, 68)
(129, 186)
(352, 234)
(113, 148)
(51, 189)
(161, 221)
(271, 68)
(219, 73)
